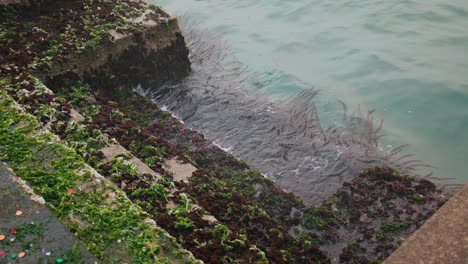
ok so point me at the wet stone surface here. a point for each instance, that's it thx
(442, 239)
(32, 234)
(251, 218)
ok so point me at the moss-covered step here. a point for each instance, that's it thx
(15, 2)
(49, 49)
(101, 217)
(441, 239)
(252, 213)
(154, 194)
(71, 37)
(226, 204)
(331, 225)
(30, 232)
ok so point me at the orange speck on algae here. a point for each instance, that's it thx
(18, 213)
(21, 255)
(70, 191)
(2, 237)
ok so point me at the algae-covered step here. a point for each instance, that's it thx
(29, 230)
(109, 225)
(130, 183)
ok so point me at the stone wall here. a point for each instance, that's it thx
(150, 57)
(11, 2)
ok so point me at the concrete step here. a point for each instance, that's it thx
(40, 234)
(101, 216)
(443, 238)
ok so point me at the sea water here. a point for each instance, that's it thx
(407, 59)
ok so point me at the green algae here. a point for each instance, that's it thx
(121, 168)
(78, 136)
(222, 183)
(389, 230)
(51, 168)
(223, 178)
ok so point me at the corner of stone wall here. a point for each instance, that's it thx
(14, 2)
(152, 56)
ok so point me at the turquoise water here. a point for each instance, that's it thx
(406, 59)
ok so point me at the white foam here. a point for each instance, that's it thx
(228, 149)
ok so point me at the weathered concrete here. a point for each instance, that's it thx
(45, 237)
(154, 37)
(115, 150)
(14, 2)
(441, 239)
(75, 116)
(182, 172)
(154, 54)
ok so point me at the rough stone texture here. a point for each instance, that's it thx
(15, 195)
(154, 37)
(152, 56)
(182, 171)
(442, 239)
(16, 2)
(113, 151)
(75, 116)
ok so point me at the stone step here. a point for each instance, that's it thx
(117, 150)
(443, 238)
(87, 203)
(223, 206)
(15, 2)
(40, 234)
(110, 153)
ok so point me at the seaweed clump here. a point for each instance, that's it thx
(372, 214)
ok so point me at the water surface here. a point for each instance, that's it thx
(406, 59)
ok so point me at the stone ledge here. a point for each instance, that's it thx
(155, 36)
(443, 238)
(15, 2)
(36, 224)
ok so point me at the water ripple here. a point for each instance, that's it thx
(284, 139)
